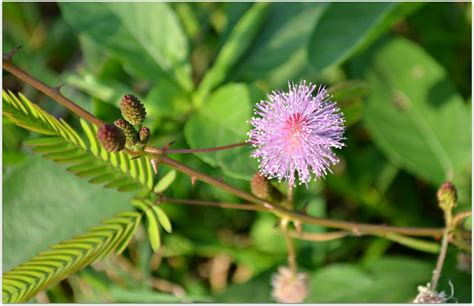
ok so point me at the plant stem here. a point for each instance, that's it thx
(291, 249)
(290, 244)
(357, 228)
(160, 151)
(212, 204)
(52, 92)
(440, 262)
(320, 236)
(448, 220)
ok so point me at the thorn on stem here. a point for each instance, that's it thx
(304, 210)
(298, 227)
(193, 180)
(154, 164)
(7, 57)
(58, 88)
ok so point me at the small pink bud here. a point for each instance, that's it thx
(289, 288)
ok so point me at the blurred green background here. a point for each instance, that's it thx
(401, 73)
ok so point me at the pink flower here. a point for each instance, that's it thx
(294, 132)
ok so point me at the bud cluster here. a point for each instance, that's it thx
(124, 133)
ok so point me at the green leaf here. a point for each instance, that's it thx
(38, 213)
(163, 218)
(238, 41)
(165, 181)
(386, 280)
(67, 257)
(279, 53)
(147, 37)
(346, 28)
(223, 122)
(415, 114)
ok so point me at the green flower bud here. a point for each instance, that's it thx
(130, 133)
(447, 196)
(144, 135)
(111, 138)
(132, 109)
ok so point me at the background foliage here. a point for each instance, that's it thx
(401, 73)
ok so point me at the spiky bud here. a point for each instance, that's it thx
(144, 135)
(447, 196)
(132, 109)
(260, 186)
(111, 137)
(131, 134)
(289, 288)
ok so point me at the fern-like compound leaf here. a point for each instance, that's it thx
(67, 257)
(64, 145)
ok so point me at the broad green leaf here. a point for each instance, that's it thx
(346, 28)
(166, 99)
(221, 122)
(37, 213)
(237, 43)
(386, 280)
(279, 53)
(145, 36)
(415, 114)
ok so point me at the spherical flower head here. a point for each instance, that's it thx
(289, 288)
(132, 109)
(111, 138)
(294, 132)
(426, 296)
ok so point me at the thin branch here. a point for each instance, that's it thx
(440, 261)
(252, 207)
(162, 151)
(52, 92)
(320, 236)
(290, 244)
(460, 216)
(357, 228)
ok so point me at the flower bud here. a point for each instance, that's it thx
(144, 135)
(260, 186)
(426, 296)
(289, 288)
(129, 131)
(132, 109)
(111, 138)
(447, 196)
